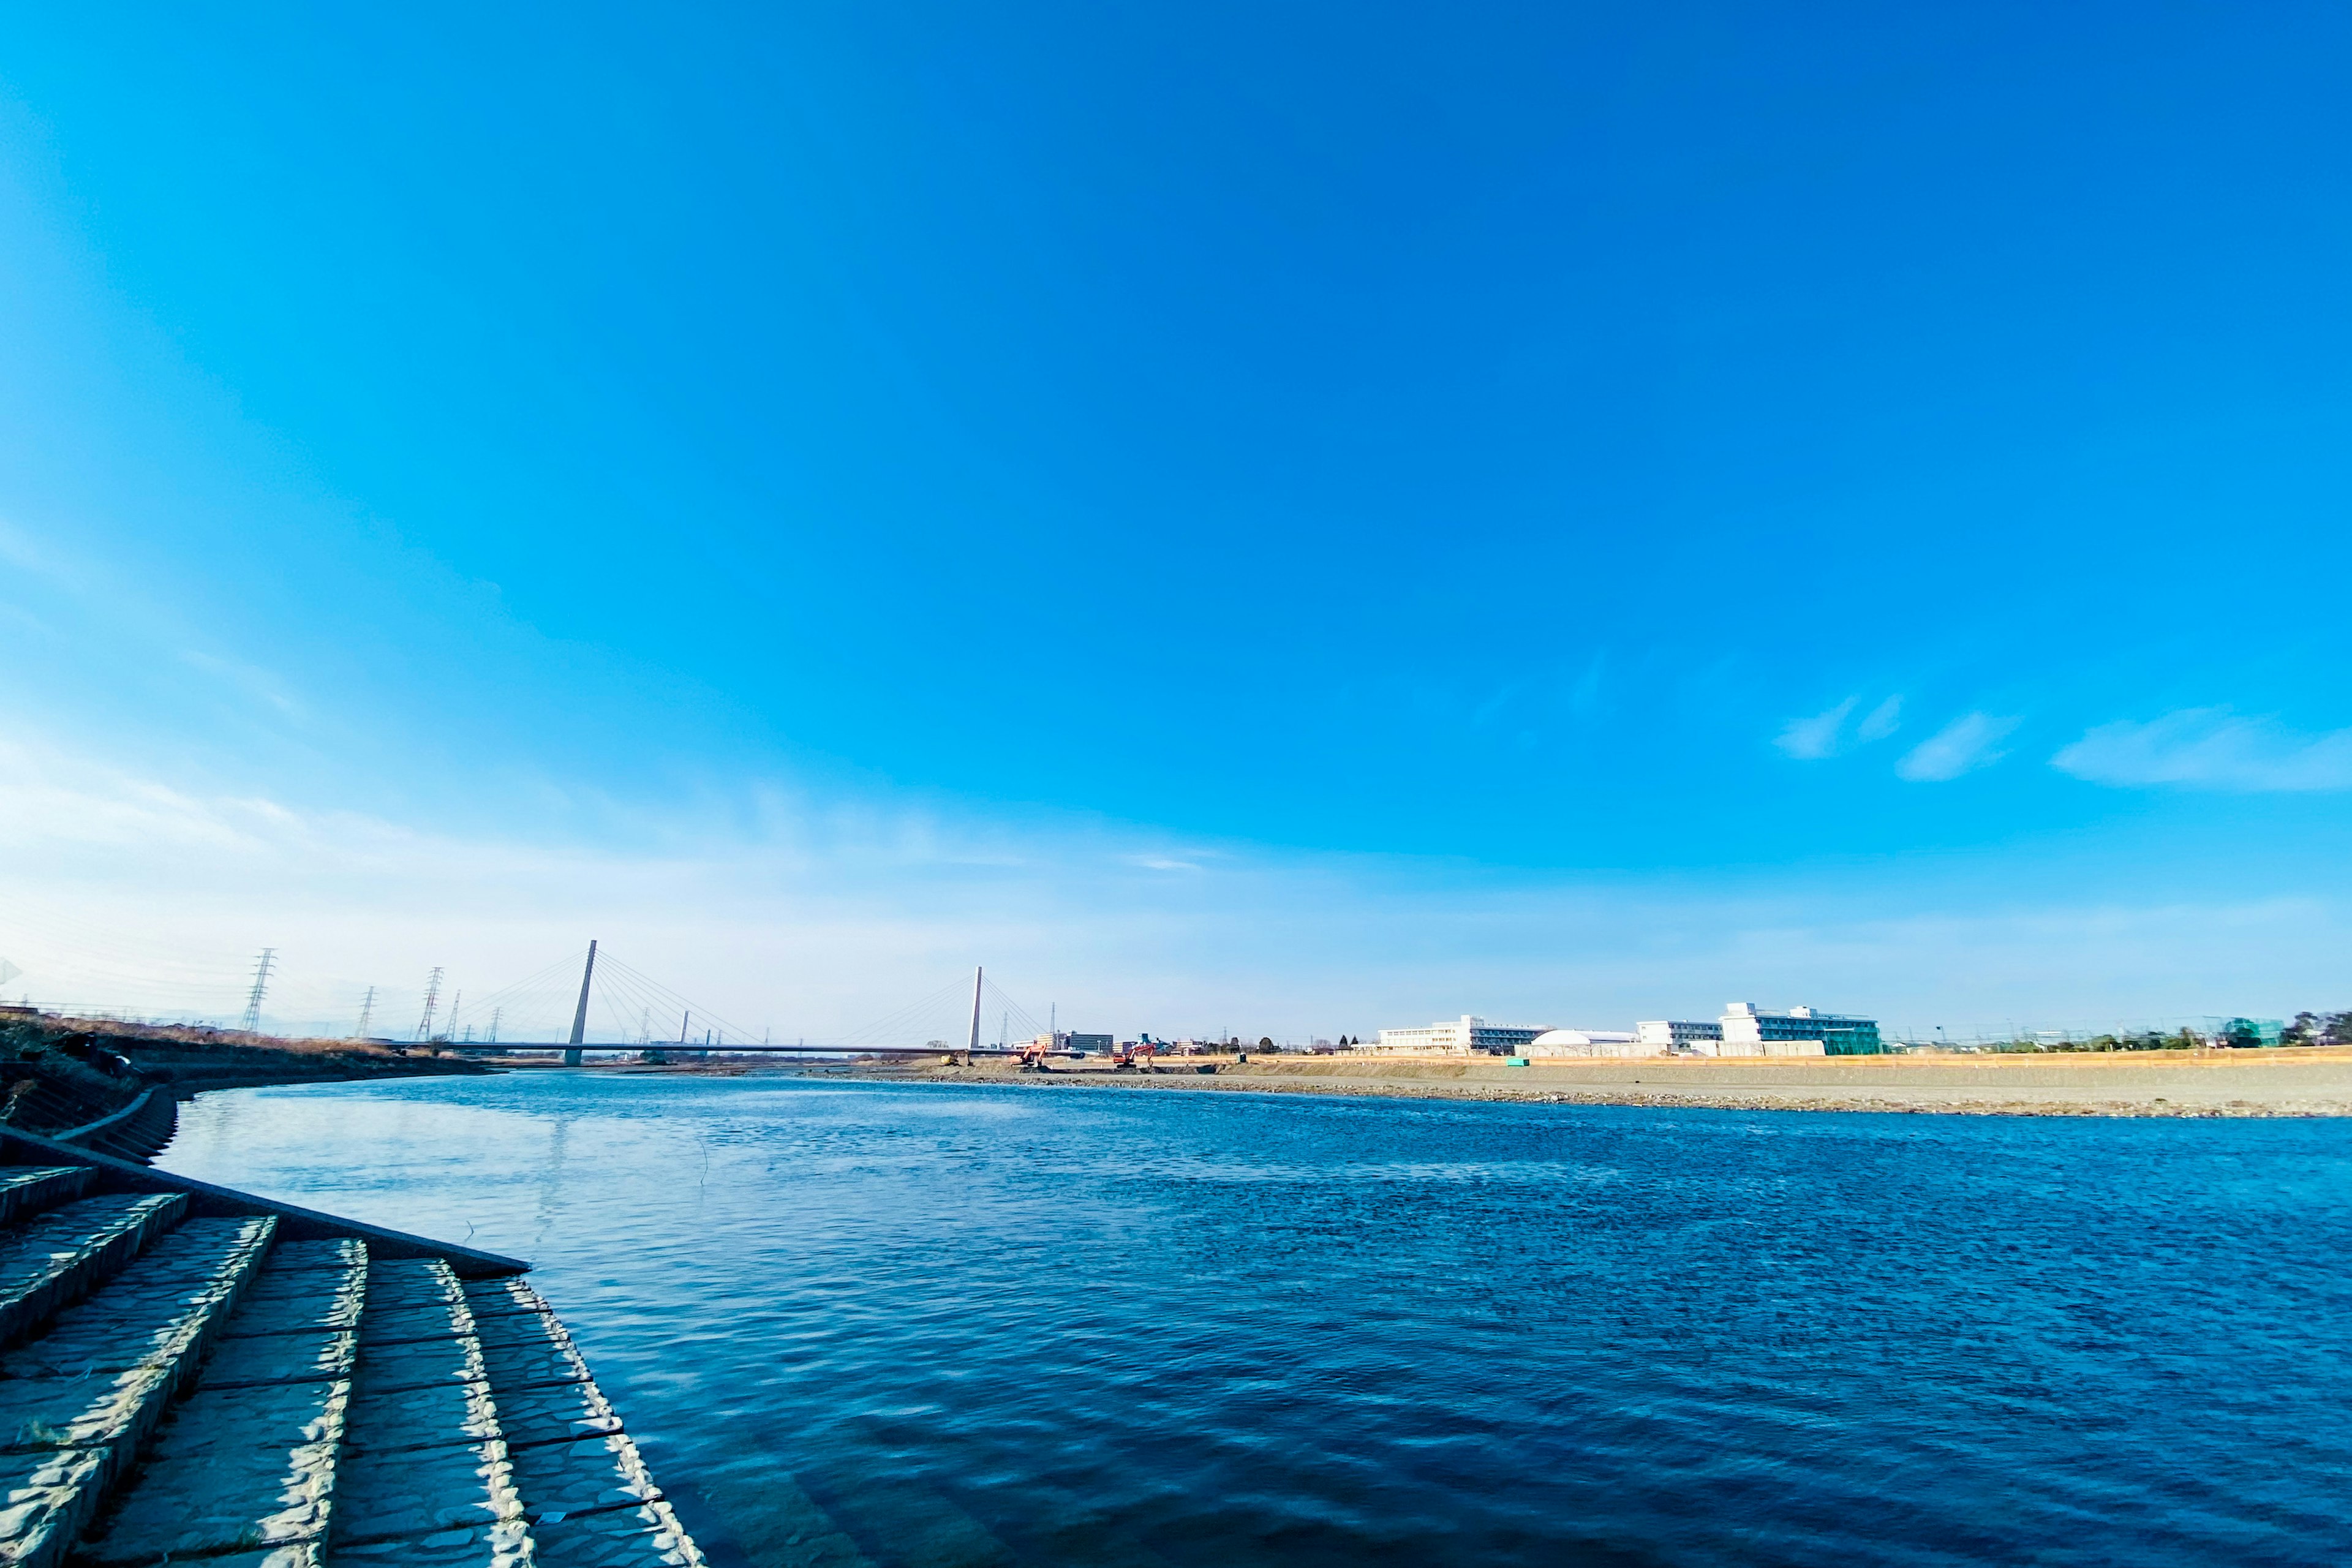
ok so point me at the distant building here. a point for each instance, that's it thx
(1062, 1040)
(1673, 1035)
(1748, 1031)
(1468, 1035)
(1588, 1043)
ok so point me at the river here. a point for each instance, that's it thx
(914, 1326)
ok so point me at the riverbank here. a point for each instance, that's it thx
(60, 1074)
(2288, 1081)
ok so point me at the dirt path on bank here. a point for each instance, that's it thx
(2282, 1082)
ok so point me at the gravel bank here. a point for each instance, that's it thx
(2283, 1083)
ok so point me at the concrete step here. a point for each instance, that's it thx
(135, 1131)
(26, 1190)
(75, 1402)
(54, 1257)
(213, 1393)
(777, 1524)
(247, 1462)
(902, 1520)
(162, 1308)
(590, 1502)
(425, 1478)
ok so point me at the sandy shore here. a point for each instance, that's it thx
(2304, 1082)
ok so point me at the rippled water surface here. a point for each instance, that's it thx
(914, 1324)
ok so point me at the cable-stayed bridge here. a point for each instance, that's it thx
(618, 1007)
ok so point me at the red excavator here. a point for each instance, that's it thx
(1136, 1054)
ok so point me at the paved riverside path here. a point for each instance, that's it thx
(182, 1384)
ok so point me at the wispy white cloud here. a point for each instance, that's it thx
(257, 684)
(1825, 735)
(1810, 740)
(2211, 748)
(1969, 742)
(821, 915)
(119, 893)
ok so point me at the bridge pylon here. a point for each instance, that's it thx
(972, 1050)
(579, 1018)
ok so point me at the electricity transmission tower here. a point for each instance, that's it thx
(252, 1020)
(432, 1000)
(367, 1014)
(496, 1014)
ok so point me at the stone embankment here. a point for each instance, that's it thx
(117, 1087)
(2292, 1081)
(189, 1374)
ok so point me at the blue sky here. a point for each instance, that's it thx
(1307, 513)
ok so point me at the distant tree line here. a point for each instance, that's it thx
(2306, 1029)
(2184, 1039)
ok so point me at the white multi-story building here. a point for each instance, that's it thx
(1750, 1031)
(1468, 1035)
(1746, 1030)
(1676, 1035)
